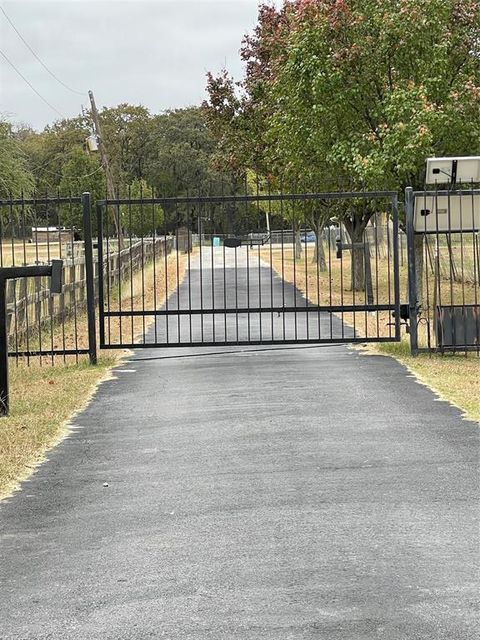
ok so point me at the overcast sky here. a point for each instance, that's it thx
(150, 52)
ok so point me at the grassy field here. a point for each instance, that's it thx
(20, 253)
(455, 377)
(332, 287)
(43, 398)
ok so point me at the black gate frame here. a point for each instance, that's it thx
(415, 306)
(86, 205)
(101, 208)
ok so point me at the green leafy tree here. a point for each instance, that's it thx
(82, 172)
(15, 176)
(180, 161)
(141, 219)
(363, 90)
(50, 150)
(125, 129)
(371, 88)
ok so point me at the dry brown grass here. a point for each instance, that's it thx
(455, 377)
(332, 287)
(29, 253)
(43, 398)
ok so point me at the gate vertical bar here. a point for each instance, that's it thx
(101, 309)
(3, 350)
(89, 276)
(396, 267)
(412, 278)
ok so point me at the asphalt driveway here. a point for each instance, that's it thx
(279, 493)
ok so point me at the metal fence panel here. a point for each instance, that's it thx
(445, 269)
(207, 270)
(35, 231)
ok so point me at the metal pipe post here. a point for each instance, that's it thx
(412, 278)
(89, 276)
(3, 350)
(396, 267)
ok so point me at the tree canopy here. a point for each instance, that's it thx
(364, 89)
(15, 175)
(352, 92)
(171, 152)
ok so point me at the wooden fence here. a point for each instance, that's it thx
(30, 305)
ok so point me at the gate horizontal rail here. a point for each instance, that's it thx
(291, 197)
(217, 287)
(242, 343)
(253, 310)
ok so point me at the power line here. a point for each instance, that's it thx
(80, 93)
(42, 165)
(85, 175)
(31, 86)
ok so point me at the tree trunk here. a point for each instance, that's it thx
(297, 244)
(358, 260)
(319, 253)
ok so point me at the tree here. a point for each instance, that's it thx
(48, 151)
(125, 129)
(362, 89)
(181, 147)
(180, 161)
(81, 173)
(384, 85)
(15, 176)
(141, 219)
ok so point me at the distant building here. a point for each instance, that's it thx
(53, 235)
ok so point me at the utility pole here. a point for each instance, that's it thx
(106, 167)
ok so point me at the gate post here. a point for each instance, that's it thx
(101, 318)
(3, 350)
(89, 277)
(412, 278)
(396, 267)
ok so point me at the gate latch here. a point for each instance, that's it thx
(404, 316)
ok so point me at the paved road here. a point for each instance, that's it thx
(227, 280)
(280, 494)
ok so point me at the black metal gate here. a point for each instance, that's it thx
(34, 231)
(444, 264)
(257, 269)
